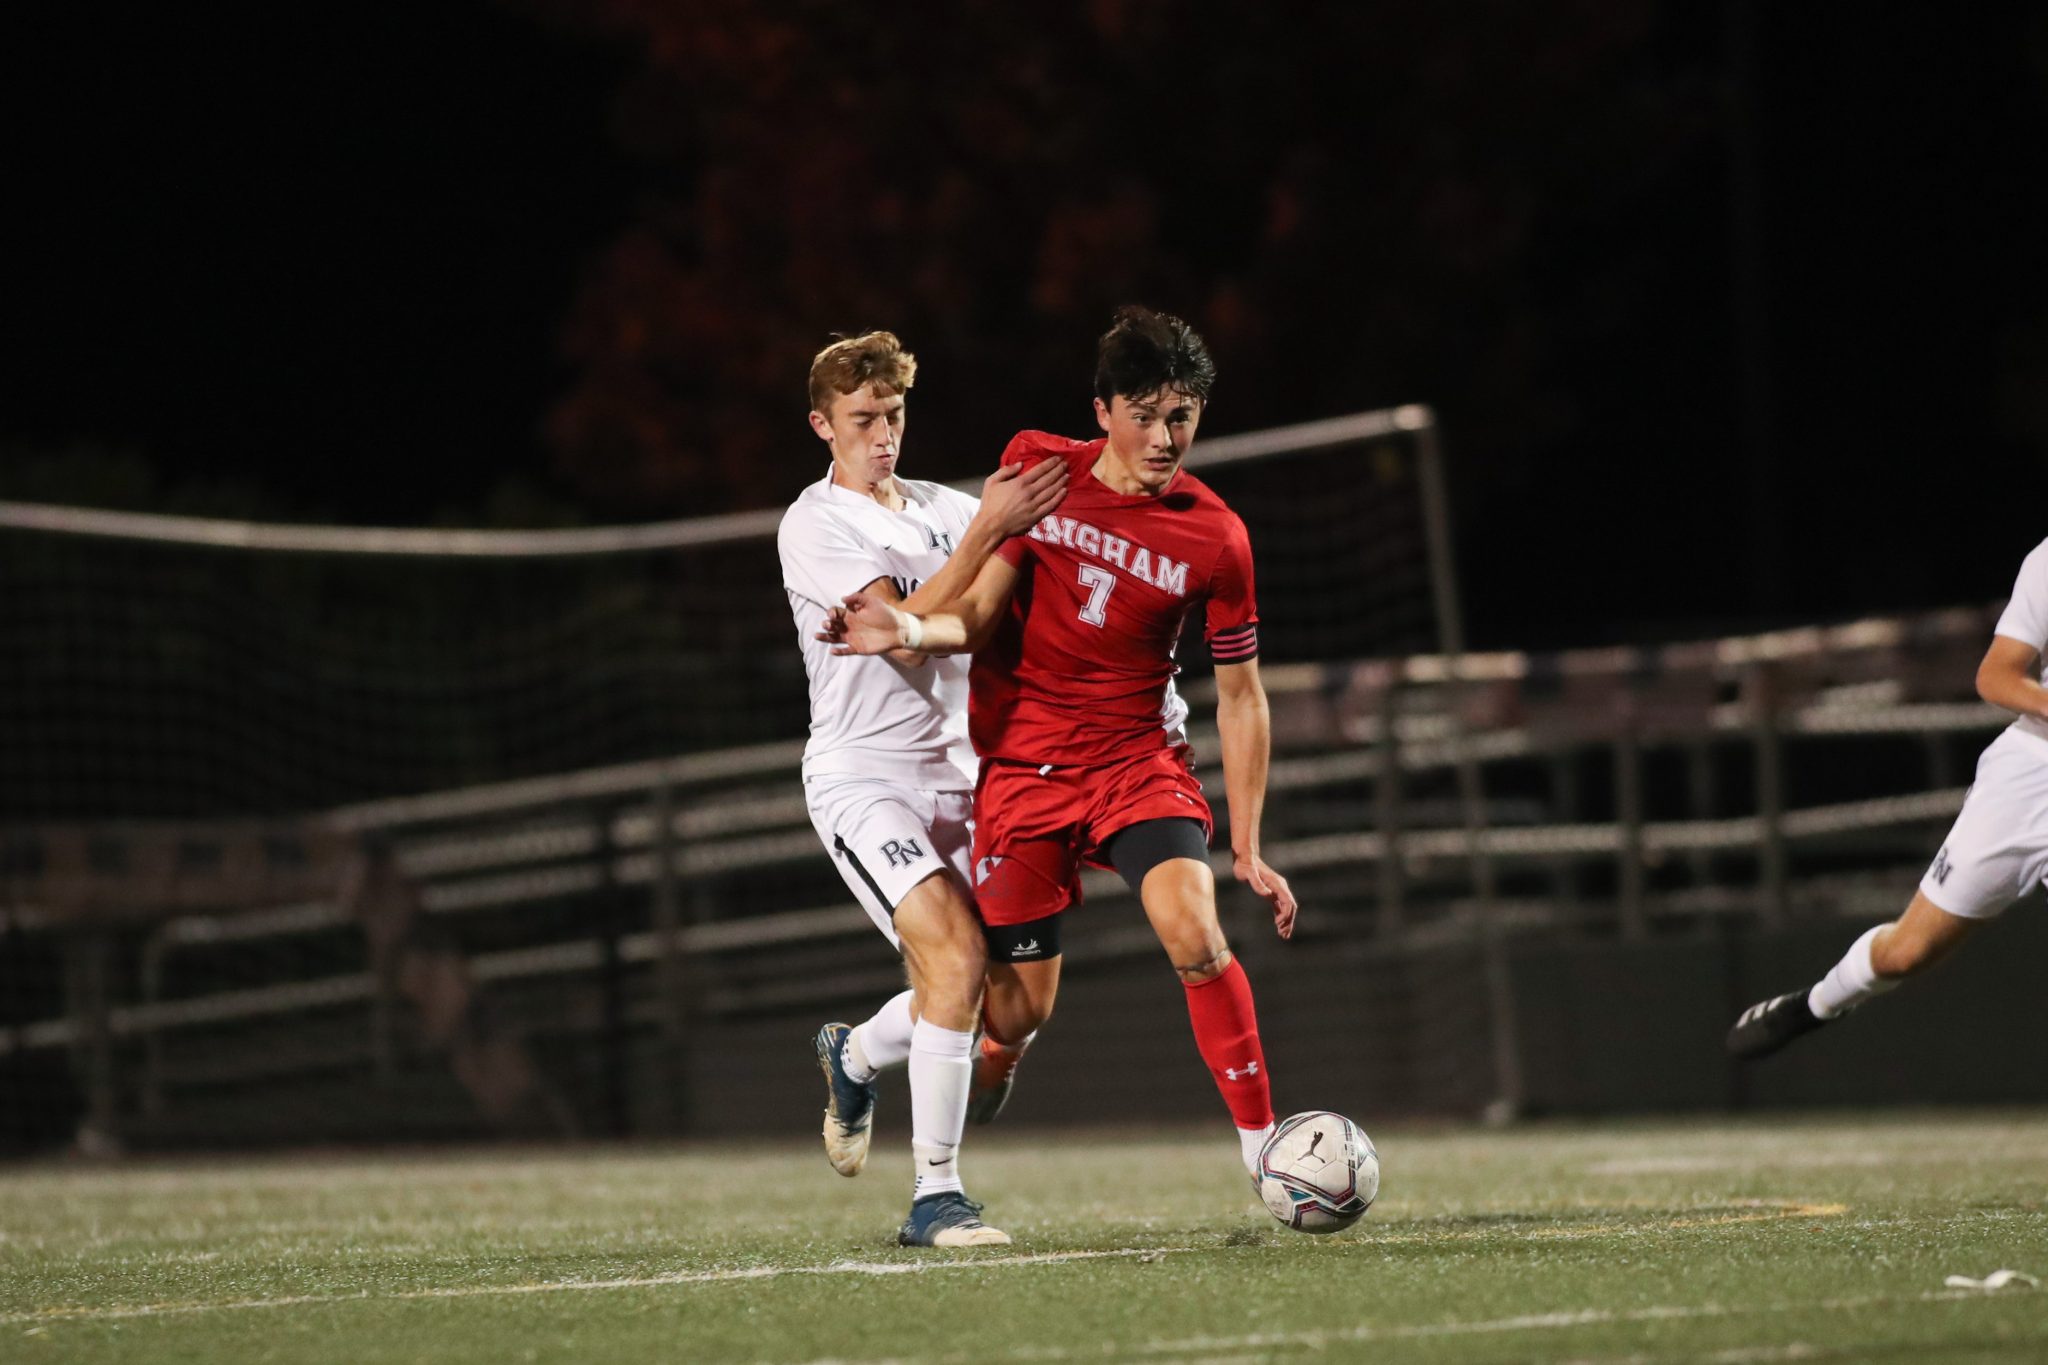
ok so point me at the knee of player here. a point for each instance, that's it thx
(1195, 969)
(1037, 1007)
(967, 949)
(1008, 1022)
(964, 972)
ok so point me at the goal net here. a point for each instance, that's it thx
(305, 828)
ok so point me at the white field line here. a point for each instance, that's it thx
(1738, 1355)
(1688, 1165)
(1254, 1343)
(150, 1310)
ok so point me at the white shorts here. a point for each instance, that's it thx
(886, 838)
(1997, 850)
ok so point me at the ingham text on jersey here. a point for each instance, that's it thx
(1168, 575)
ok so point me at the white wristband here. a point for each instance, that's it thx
(913, 633)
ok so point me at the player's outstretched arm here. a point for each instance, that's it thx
(869, 624)
(1246, 726)
(2007, 677)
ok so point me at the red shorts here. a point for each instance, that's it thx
(1034, 827)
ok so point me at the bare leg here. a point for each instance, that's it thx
(1887, 955)
(943, 951)
(1180, 900)
(1020, 997)
(1877, 961)
(1918, 939)
(1019, 1000)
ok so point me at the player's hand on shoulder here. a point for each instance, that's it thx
(1251, 869)
(1015, 497)
(865, 625)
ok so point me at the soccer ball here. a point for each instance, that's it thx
(1318, 1172)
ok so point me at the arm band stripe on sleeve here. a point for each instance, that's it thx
(1233, 646)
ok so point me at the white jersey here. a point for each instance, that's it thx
(870, 715)
(2026, 619)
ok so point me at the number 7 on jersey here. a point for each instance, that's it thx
(1099, 582)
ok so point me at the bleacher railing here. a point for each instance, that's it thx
(1378, 739)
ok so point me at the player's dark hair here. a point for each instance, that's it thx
(1144, 352)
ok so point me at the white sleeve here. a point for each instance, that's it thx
(824, 558)
(2026, 616)
(963, 506)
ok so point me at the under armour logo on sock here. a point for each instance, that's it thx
(1250, 1069)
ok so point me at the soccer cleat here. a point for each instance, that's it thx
(949, 1219)
(849, 1104)
(995, 1072)
(1770, 1024)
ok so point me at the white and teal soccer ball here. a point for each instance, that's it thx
(1318, 1172)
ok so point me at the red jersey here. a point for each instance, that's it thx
(1081, 669)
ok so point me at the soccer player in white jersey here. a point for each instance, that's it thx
(888, 771)
(1996, 852)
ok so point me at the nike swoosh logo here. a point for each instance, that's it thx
(940, 1162)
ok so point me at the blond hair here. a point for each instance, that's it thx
(876, 358)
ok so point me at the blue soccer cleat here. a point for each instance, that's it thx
(950, 1219)
(849, 1104)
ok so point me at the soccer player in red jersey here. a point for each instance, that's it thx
(1073, 711)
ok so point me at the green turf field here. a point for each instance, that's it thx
(1822, 1239)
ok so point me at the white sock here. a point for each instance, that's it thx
(881, 1042)
(1249, 1140)
(1852, 981)
(941, 1065)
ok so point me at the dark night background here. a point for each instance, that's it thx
(1733, 313)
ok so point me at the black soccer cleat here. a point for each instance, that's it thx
(1770, 1024)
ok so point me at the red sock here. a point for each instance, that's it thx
(1227, 1032)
